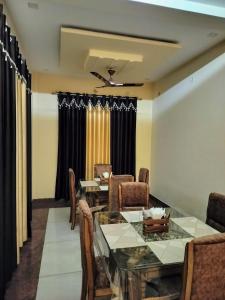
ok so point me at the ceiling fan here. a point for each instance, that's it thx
(111, 83)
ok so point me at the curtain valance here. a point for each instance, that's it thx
(10, 50)
(86, 101)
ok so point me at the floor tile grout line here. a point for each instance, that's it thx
(60, 274)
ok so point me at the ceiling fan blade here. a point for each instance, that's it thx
(101, 78)
(133, 84)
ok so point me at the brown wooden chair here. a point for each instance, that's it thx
(203, 274)
(133, 195)
(73, 199)
(94, 280)
(100, 168)
(143, 175)
(216, 212)
(114, 183)
(204, 268)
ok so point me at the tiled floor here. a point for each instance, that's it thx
(60, 274)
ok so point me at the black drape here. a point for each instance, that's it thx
(8, 249)
(71, 142)
(123, 136)
(29, 153)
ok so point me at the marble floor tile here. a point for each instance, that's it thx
(58, 287)
(56, 232)
(122, 236)
(60, 257)
(194, 226)
(169, 251)
(59, 215)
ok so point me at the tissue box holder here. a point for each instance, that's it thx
(104, 181)
(156, 225)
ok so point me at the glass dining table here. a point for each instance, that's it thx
(127, 251)
(92, 189)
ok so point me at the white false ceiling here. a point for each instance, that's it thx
(39, 29)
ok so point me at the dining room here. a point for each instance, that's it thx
(112, 160)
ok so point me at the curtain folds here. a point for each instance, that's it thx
(71, 144)
(123, 138)
(8, 250)
(97, 138)
(94, 129)
(13, 153)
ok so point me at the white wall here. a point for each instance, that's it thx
(188, 140)
(44, 144)
(45, 141)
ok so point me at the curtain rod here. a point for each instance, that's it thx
(83, 94)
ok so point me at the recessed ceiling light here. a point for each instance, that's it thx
(212, 34)
(33, 5)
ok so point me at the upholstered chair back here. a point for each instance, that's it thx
(114, 183)
(100, 168)
(143, 175)
(204, 271)
(216, 211)
(133, 195)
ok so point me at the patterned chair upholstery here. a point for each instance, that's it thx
(216, 211)
(143, 175)
(73, 198)
(100, 168)
(114, 183)
(204, 271)
(94, 280)
(133, 195)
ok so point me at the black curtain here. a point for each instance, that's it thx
(10, 63)
(29, 152)
(71, 142)
(8, 250)
(123, 136)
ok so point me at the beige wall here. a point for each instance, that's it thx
(45, 141)
(188, 140)
(143, 135)
(44, 144)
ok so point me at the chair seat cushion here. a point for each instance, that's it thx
(101, 279)
(165, 286)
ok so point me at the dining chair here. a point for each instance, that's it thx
(114, 183)
(204, 268)
(143, 175)
(95, 283)
(73, 199)
(203, 274)
(100, 168)
(216, 211)
(133, 195)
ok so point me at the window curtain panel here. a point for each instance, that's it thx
(97, 138)
(123, 135)
(21, 163)
(8, 249)
(11, 67)
(71, 142)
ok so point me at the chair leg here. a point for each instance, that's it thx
(73, 220)
(84, 287)
(70, 219)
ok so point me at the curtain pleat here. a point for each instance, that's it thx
(97, 138)
(71, 146)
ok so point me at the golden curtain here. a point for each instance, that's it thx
(21, 164)
(97, 138)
